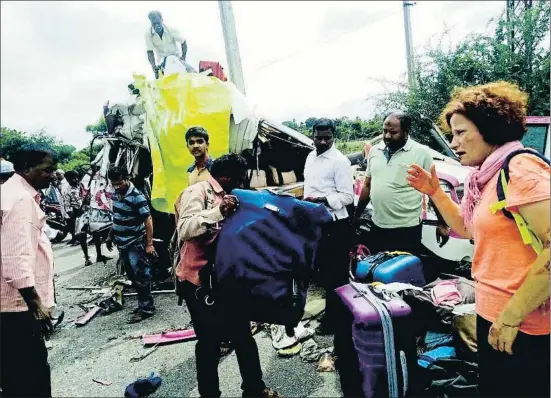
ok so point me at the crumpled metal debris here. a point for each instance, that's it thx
(115, 301)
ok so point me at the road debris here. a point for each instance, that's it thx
(143, 387)
(146, 354)
(87, 287)
(152, 292)
(115, 300)
(289, 352)
(326, 363)
(102, 382)
(83, 320)
(168, 337)
(311, 352)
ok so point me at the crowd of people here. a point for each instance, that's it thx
(512, 280)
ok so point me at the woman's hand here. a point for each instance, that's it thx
(421, 180)
(504, 331)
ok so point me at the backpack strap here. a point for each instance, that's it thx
(527, 235)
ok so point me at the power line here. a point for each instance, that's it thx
(310, 46)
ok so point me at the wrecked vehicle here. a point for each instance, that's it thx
(146, 135)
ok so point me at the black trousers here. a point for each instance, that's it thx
(72, 223)
(406, 239)
(523, 374)
(214, 324)
(333, 263)
(24, 368)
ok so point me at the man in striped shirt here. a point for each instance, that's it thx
(132, 232)
(27, 281)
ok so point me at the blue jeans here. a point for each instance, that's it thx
(138, 270)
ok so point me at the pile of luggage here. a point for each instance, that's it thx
(400, 335)
(406, 337)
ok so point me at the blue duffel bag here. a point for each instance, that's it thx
(265, 255)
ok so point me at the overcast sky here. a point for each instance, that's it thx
(60, 61)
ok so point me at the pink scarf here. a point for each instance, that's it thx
(477, 179)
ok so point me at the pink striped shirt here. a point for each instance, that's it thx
(27, 256)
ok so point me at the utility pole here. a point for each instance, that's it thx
(232, 48)
(409, 41)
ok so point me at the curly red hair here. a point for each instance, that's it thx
(497, 109)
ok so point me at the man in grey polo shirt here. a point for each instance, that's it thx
(397, 207)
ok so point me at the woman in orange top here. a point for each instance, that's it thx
(512, 281)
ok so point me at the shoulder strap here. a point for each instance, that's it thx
(504, 177)
(528, 237)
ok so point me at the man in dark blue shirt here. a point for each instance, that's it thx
(132, 232)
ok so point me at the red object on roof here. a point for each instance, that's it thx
(216, 68)
(538, 120)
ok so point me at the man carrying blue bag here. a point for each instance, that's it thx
(200, 211)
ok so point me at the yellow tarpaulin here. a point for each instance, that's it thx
(173, 104)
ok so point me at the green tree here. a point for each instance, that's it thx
(292, 124)
(11, 140)
(98, 127)
(69, 158)
(517, 51)
(80, 159)
(346, 129)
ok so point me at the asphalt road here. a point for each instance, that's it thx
(102, 349)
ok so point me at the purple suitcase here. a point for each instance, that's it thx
(383, 364)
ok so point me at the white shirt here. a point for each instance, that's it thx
(64, 189)
(328, 175)
(165, 46)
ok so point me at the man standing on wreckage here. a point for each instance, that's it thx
(200, 211)
(162, 40)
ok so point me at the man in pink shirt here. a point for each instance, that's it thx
(26, 284)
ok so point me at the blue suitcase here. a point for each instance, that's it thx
(388, 267)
